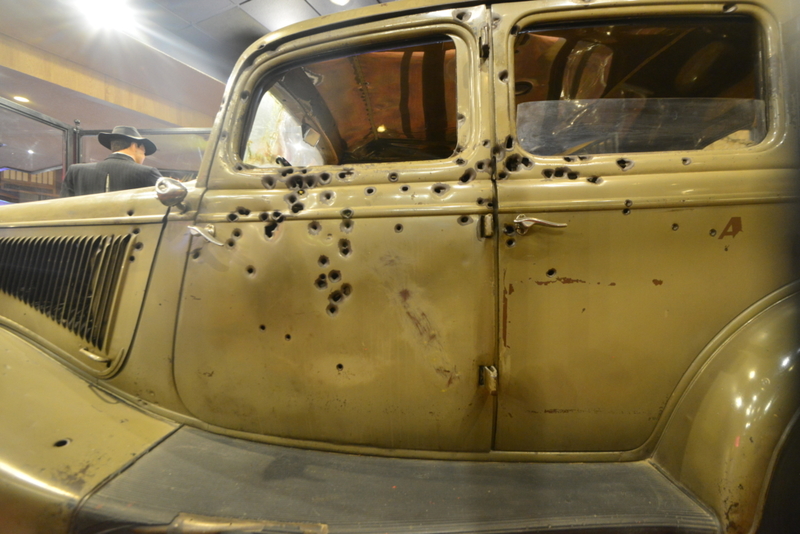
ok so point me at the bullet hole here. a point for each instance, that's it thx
(347, 290)
(195, 254)
(464, 220)
(570, 159)
(486, 143)
(244, 212)
(440, 189)
(729, 8)
(393, 176)
(236, 233)
(239, 168)
(251, 270)
(245, 95)
(509, 142)
(523, 88)
(468, 176)
(304, 171)
(548, 173)
(130, 213)
(231, 243)
(297, 208)
(339, 366)
(277, 216)
(712, 233)
(62, 443)
(131, 258)
(398, 228)
(572, 175)
(136, 231)
(514, 30)
(626, 211)
(463, 16)
(481, 165)
(224, 134)
(510, 243)
(345, 173)
(628, 203)
(502, 175)
(497, 151)
(327, 197)
(347, 226)
(332, 310)
(233, 217)
(288, 337)
(335, 276)
(287, 171)
(314, 227)
(310, 181)
(460, 161)
(321, 282)
(675, 227)
(481, 202)
(295, 182)
(404, 188)
(325, 178)
(323, 261)
(508, 229)
(686, 161)
(513, 163)
(369, 191)
(560, 171)
(290, 199)
(269, 230)
(139, 246)
(336, 297)
(550, 273)
(625, 163)
(263, 216)
(344, 247)
(262, 327)
(503, 76)
(346, 213)
(585, 158)
(594, 180)
(269, 182)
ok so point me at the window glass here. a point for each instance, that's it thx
(639, 86)
(396, 103)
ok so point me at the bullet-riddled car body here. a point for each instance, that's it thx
(450, 267)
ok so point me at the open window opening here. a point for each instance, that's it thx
(640, 86)
(396, 102)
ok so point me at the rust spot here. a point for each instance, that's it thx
(405, 295)
(546, 282)
(657, 282)
(510, 289)
(556, 410)
(424, 326)
(612, 284)
(565, 280)
(451, 376)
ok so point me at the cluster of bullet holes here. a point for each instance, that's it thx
(344, 247)
(485, 202)
(333, 277)
(515, 163)
(273, 220)
(296, 180)
(560, 172)
(293, 200)
(509, 230)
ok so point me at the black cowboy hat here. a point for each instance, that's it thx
(126, 132)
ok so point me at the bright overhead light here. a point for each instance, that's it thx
(21, 99)
(340, 2)
(108, 14)
(30, 151)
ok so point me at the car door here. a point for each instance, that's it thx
(350, 294)
(641, 183)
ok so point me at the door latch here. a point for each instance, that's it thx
(207, 234)
(522, 223)
(487, 377)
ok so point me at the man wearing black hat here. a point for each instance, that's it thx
(121, 170)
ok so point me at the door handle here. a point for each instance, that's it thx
(207, 234)
(522, 223)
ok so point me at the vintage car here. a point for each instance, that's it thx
(447, 267)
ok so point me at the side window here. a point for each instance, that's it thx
(639, 86)
(392, 103)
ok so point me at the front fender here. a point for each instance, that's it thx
(725, 433)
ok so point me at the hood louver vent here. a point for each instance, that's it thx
(72, 280)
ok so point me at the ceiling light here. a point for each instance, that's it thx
(21, 99)
(30, 151)
(340, 2)
(108, 14)
(381, 128)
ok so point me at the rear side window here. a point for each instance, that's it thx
(639, 86)
(392, 103)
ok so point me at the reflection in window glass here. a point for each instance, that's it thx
(31, 158)
(647, 85)
(397, 103)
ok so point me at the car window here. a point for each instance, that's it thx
(393, 103)
(639, 86)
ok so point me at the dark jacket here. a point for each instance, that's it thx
(119, 170)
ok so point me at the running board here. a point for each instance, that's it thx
(196, 481)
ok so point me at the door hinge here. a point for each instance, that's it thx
(487, 377)
(487, 225)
